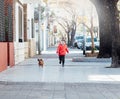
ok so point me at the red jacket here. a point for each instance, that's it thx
(62, 49)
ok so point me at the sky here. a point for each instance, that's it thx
(79, 5)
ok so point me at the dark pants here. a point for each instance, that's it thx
(62, 59)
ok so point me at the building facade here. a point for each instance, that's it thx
(24, 39)
(17, 39)
(6, 34)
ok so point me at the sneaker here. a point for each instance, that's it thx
(59, 62)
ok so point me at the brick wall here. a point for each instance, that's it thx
(2, 25)
(9, 23)
(8, 8)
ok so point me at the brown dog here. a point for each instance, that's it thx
(40, 62)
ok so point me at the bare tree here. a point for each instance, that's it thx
(66, 25)
(74, 21)
(69, 24)
(91, 30)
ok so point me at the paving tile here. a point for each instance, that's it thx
(8, 97)
(77, 80)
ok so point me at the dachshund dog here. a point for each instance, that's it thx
(40, 62)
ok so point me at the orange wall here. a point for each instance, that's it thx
(3, 56)
(11, 54)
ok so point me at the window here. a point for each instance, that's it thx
(20, 24)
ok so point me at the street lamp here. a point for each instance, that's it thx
(39, 24)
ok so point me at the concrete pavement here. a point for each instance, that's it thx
(77, 80)
(59, 91)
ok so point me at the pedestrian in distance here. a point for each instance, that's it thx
(61, 51)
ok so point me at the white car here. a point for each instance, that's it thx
(88, 43)
(79, 42)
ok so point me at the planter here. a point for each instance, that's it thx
(92, 55)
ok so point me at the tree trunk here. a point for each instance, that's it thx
(113, 28)
(72, 37)
(73, 33)
(92, 36)
(102, 7)
(115, 35)
(93, 46)
(68, 37)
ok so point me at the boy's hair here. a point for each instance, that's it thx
(63, 41)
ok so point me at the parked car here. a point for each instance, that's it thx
(79, 41)
(88, 43)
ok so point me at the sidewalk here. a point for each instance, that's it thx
(59, 91)
(77, 80)
(88, 71)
